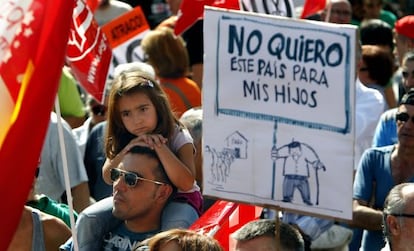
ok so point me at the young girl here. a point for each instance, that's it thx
(139, 114)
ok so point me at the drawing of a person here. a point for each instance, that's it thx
(298, 157)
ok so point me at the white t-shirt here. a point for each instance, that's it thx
(368, 109)
(51, 181)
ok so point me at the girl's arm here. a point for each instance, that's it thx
(180, 168)
(111, 163)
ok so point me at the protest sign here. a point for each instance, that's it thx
(278, 125)
(125, 34)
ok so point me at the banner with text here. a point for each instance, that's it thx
(88, 53)
(278, 123)
(125, 34)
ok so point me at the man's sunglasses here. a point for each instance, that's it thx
(404, 117)
(130, 179)
(99, 110)
(406, 74)
(403, 215)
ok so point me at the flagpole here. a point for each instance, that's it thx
(328, 11)
(277, 229)
(66, 175)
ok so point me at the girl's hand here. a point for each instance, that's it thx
(151, 140)
(134, 142)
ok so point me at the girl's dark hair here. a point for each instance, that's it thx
(129, 83)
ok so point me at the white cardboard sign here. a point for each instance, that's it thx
(278, 107)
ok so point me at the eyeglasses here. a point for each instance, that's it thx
(404, 117)
(403, 215)
(406, 74)
(131, 179)
(363, 69)
(99, 110)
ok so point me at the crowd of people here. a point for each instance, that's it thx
(135, 160)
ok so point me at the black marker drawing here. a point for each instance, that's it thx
(236, 148)
(298, 159)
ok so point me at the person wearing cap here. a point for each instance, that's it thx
(404, 42)
(386, 131)
(404, 35)
(379, 170)
(398, 218)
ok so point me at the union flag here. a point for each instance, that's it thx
(33, 39)
(88, 53)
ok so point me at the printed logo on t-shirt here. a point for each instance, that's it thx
(118, 243)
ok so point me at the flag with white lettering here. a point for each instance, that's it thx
(89, 53)
(33, 39)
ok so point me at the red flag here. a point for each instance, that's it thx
(312, 7)
(33, 39)
(192, 10)
(89, 54)
(93, 4)
(223, 218)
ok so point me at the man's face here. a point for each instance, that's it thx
(296, 152)
(402, 45)
(408, 74)
(372, 8)
(405, 129)
(403, 239)
(138, 201)
(341, 12)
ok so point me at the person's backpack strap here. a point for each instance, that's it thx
(179, 93)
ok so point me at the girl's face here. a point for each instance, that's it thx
(138, 113)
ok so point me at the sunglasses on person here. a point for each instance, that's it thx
(404, 117)
(131, 179)
(402, 215)
(99, 109)
(406, 74)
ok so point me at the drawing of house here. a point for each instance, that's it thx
(238, 143)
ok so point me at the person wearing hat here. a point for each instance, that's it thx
(404, 42)
(386, 131)
(404, 35)
(379, 170)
